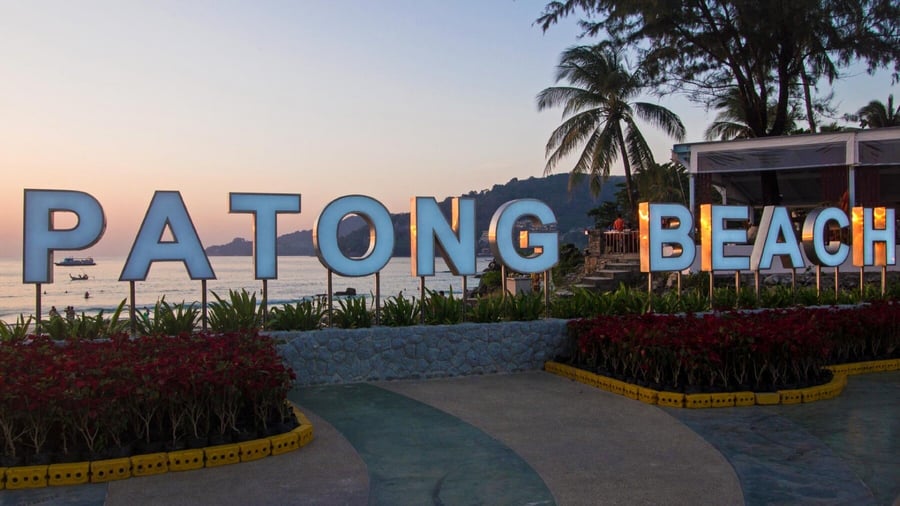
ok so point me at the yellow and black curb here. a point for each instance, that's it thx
(101, 471)
(723, 400)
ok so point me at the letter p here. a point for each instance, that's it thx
(41, 238)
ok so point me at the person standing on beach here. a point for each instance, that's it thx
(53, 312)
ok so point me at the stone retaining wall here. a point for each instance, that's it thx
(423, 351)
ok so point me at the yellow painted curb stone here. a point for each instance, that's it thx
(26, 477)
(69, 474)
(110, 469)
(149, 464)
(186, 460)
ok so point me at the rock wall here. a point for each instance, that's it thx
(423, 351)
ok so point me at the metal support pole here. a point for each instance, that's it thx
(818, 281)
(132, 314)
(330, 301)
(265, 302)
(862, 280)
(378, 298)
(37, 308)
(204, 303)
(837, 282)
(692, 193)
(649, 291)
(756, 280)
(503, 281)
(883, 279)
(422, 297)
(465, 296)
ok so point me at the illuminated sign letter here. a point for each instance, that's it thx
(665, 225)
(41, 238)
(714, 235)
(775, 224)
(873, 236)
(381, 236)
(546, 244)
(819, 250)
(167, 210)
(455, 243)
(265, 208)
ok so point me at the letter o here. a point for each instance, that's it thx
(381, 236)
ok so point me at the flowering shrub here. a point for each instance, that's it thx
(733, 351)
(83, 400)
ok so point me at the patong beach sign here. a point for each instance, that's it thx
(667, 242)
(667, 236)
(430, 234)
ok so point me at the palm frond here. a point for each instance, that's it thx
(661, 118)
(568, 137)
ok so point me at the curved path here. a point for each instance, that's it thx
(535, 438)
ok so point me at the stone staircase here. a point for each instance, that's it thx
(610, 271)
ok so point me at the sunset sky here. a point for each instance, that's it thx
(389, 99)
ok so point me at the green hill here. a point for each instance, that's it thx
(570, 208)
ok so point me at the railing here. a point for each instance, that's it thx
(626, 241)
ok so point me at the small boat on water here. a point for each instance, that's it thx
(80, 277)
(69, 261)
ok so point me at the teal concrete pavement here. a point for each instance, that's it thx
(416, 454)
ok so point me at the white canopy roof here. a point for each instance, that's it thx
(879, 146)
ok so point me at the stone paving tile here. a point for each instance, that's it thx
(862, 427)
(776, 460)
(839, 451)
(93, 494)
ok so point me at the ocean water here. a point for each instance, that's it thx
(298, 278)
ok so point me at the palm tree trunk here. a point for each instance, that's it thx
(628, 183)
(807, 96)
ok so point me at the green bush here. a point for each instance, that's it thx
(571, 259)
(352, 313)
(304, 315)
(628, 301)
(694, 301)
(10, 332)
(570, 306)
(668, 302)
(86, 327)
(168, 319)
(238, 313)
(525, 307)
(487, 310)
(489, 282)
(777, 297)
(398, 311)
(442, 309)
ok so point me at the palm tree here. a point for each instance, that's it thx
(598, 114)
(877, 115)
(663, 183)
(731, 120)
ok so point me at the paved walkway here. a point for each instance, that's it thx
(535, 438)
